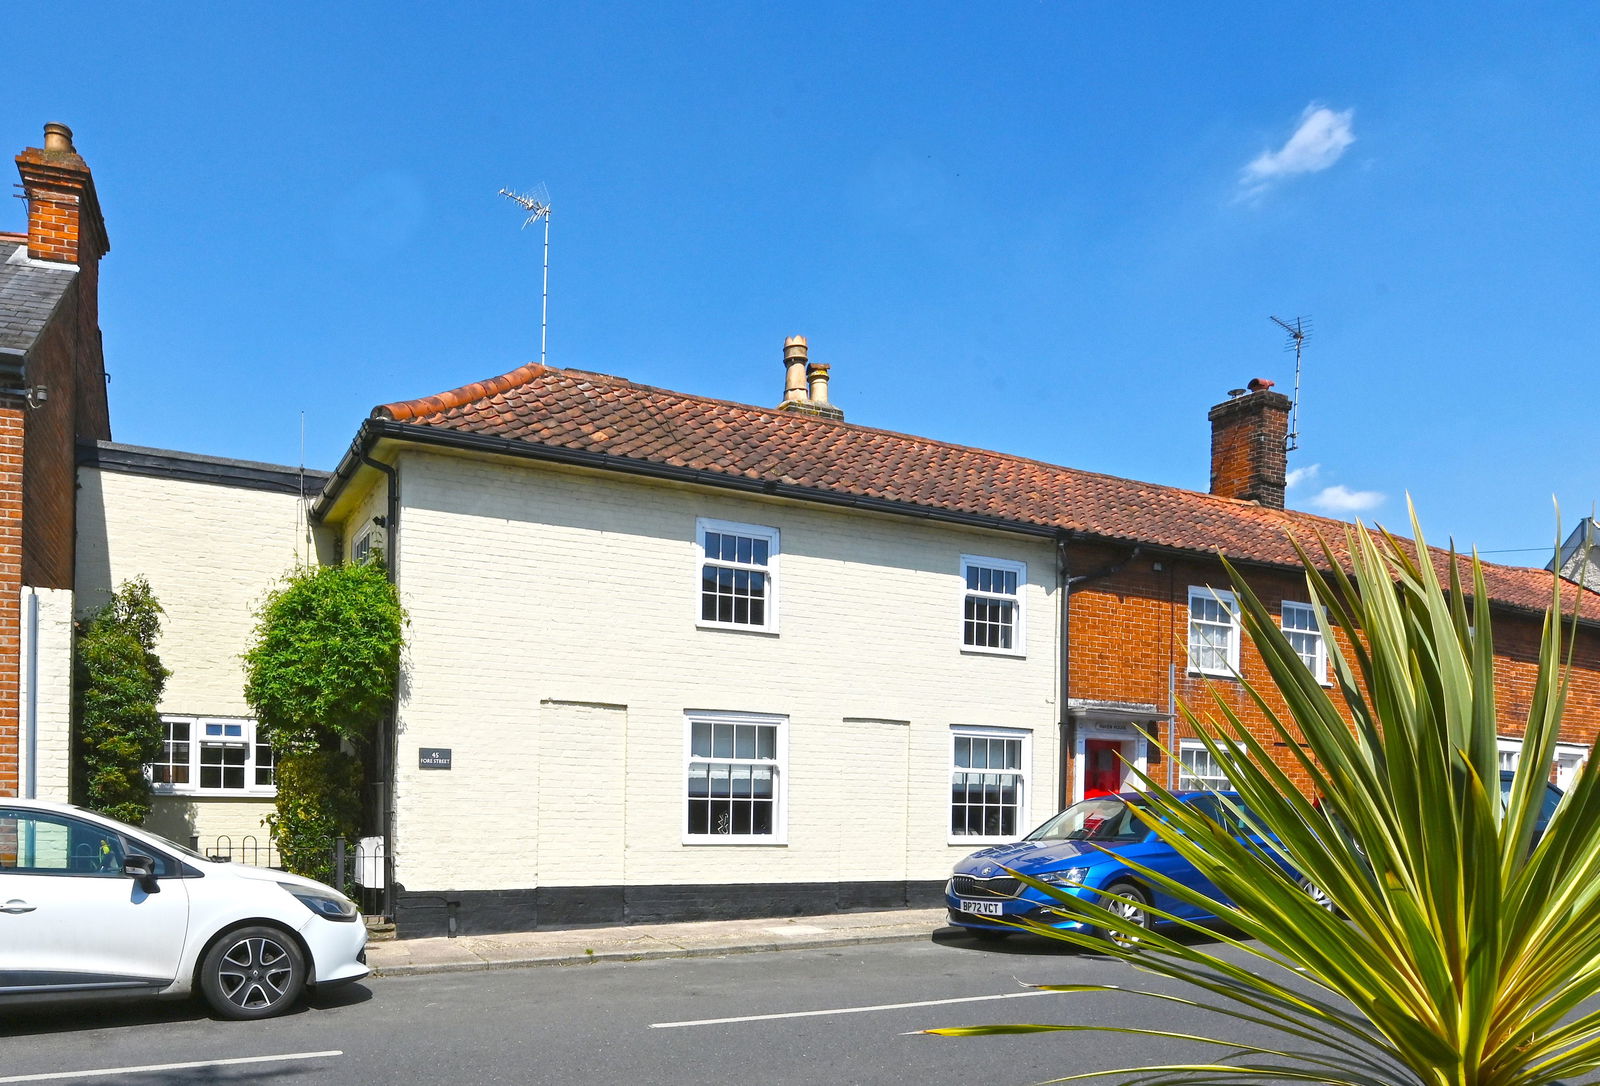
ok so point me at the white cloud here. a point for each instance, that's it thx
(1323, 136)
(1340, 500)
(1303, 475)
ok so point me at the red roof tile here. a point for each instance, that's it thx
(596, 413)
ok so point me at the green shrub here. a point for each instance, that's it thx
(325, 657)
(119, 679)
(320, 676)
(319, 799)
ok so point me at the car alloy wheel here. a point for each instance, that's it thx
(1319, 897)
(254, 972)
(1131, 911)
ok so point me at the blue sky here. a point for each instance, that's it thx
(1054, 229)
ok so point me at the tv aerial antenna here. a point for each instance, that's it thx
(537, 205)
(1299, 330)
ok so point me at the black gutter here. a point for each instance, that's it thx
(194, 468)
(385, 755)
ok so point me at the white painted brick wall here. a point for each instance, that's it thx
(211, 553)
(528, 584)
(216, 821)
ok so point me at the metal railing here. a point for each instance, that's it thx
(356, 869)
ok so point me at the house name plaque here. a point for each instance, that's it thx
(433, 757)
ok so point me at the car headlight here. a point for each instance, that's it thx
(325, 903)
(1071, 876)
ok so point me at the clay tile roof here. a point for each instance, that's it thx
(598, 414)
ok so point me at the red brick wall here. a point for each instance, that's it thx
(38, 490)
(1127, 629)
(49, 479)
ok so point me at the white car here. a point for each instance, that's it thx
(90, 906)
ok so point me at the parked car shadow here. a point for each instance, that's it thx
(78, 1016)
(1026, 943)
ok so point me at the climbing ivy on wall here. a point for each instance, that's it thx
(118, 680)
(320, 675)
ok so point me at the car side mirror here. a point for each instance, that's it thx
(143, 870)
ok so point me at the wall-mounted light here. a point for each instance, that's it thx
(36, 395)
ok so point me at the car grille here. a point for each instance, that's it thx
(967, 886)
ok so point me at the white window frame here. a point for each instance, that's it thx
(1318, 666)
(1019, 627)
(1195, 746)
(1231, 605)
(779, 764)
(1024, 820)
(1510, 755)
(248, 739)
(702, 525)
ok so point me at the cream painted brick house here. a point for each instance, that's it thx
(562, 660)
(212, 536)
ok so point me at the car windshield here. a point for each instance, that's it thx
(1104, 818)
(160, 840)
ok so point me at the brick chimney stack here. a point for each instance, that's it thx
(64, 220)
(65, 226)
(1249, 445)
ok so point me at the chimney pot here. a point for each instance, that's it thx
(58, 138)
(817, 382)
(1260, 384)
(794, 362)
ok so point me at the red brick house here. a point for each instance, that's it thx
(52, 393)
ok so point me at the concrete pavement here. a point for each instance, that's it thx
(572, 946)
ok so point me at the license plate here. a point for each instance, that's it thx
(982, 908)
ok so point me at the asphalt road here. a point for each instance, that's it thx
(802, 1016)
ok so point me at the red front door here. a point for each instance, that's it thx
(1102, 767)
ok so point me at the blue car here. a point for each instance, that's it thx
(1083, 850)
(1086, 844)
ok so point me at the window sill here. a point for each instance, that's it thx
(214, 793)
(974, 842)
(978, 650)
(728, 839)
(770, 631)
(1195, 673)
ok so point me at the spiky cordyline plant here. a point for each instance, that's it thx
(1464, 942)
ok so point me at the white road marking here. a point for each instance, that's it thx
(57, 1075)
(842, 1010)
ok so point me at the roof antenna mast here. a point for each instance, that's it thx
(537, 205)
(1299, 331)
